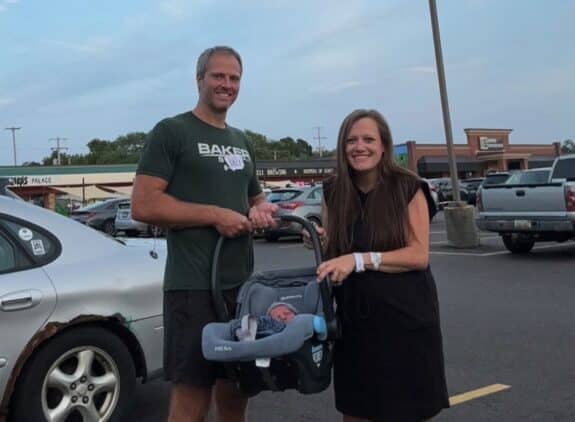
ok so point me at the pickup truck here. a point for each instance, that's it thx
(525, 213)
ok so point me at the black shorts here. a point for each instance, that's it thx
(186, 312)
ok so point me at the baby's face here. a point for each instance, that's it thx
(282, 313)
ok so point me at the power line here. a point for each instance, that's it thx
(319, 138)
(14, 129)
(57, 148)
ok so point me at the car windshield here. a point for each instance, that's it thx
(282, 195)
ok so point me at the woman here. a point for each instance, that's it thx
(388, 365)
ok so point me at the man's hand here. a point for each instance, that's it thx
(230, 223)
(338, 269)
(261, 215)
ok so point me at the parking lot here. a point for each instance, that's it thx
(508, 335)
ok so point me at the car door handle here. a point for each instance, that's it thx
(17, 301)
(520, 193)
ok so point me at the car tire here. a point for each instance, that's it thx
(109, 227)
(155, 231)
(518, 245)
(88, 372)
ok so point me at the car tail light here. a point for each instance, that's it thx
(479, 200)
(570, 198)
(291, 205)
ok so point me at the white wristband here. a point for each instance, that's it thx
(375, 260)
(359, 264)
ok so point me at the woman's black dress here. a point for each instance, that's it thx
(388, 365)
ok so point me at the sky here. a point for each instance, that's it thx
(80, 69)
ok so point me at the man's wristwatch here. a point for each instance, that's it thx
(375, 260)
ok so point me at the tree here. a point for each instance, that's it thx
(125, 149)
(568, 146)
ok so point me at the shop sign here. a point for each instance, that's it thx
(292, 172)
(30, 180)
(490, 144)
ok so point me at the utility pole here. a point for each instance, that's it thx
(14, 129)
(57, 148)
(459, 216)
(444, 102)
(319, 138)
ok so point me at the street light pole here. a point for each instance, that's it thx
(459, 216)
(14, 129)
(444, 102)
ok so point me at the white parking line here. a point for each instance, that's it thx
(504, 252)
(442, 242)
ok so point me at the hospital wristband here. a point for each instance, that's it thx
(359, 264)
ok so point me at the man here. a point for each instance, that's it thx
(197, 176)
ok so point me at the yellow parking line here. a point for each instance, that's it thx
(475, 394)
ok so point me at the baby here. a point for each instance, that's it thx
(277, 316)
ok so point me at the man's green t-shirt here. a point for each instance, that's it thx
(206, 165)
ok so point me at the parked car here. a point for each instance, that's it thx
(100, 216)
(525, 213)
(433, 191)
(125, 223)
(471, 186)
(447, 191)
(303, 202)
(80, 318)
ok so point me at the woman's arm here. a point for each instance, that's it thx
(414, 256)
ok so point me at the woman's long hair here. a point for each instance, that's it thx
(386, 208)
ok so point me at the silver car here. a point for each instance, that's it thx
(303, 202)
(80, 317)
(125, 223)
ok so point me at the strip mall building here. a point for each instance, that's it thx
(486, 150)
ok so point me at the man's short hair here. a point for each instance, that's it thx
(204, 58)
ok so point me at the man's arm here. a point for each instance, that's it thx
(151, 204)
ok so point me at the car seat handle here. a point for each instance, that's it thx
(324, 285)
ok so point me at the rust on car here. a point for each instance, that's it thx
(40, 337)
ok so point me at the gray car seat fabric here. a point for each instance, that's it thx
(296, 287)
(219, 342)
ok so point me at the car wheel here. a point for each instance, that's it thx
(109, 227)
(81, 375)
(155, 231)
(518, 245)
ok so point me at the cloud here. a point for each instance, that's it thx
(337, 87)
(421, 69)
(5, 3)
(92, 47)
(6, 101)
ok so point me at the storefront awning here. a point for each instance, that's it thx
(89, 192)
(441, 164)
(122, 190)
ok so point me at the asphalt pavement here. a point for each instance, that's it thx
(508, 328)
